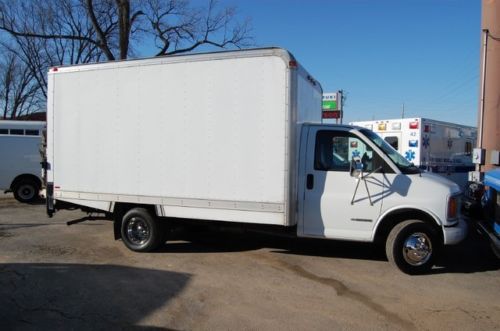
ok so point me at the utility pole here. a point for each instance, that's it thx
(482, 89)
(403, 111)
(342, 101)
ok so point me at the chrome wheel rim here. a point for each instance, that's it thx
(417, 249)
(138, 231)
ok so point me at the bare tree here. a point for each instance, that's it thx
(177, 28)
(114, 25)
(37, 35)
(19, 92)
(33, 49)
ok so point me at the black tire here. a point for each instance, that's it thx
(412, 247)
(26, 190)
(141, 232)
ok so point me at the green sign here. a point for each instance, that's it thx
(329, 104)
(331, 101)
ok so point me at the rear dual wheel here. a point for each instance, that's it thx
(141, 231)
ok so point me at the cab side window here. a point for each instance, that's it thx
(335, 150)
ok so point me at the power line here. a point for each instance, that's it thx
(458, 87)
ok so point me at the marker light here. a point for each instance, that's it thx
(396, 126)
(414, 125)
(382, 126)
(452, 208)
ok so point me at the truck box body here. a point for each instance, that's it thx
(20, 157)
(440, 147)
(208, 136)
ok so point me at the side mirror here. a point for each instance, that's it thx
(356, 167)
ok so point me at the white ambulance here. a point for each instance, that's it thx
(440, 147)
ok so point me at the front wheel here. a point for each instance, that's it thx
(141, 232)
(412, 246)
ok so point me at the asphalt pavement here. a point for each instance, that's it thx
(55, 276)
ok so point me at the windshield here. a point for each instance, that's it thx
(403, 164)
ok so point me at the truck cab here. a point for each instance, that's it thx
(357, 187)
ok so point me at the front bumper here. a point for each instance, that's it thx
(456, 233)
(487, 229)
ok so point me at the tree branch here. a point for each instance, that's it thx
(103, 42)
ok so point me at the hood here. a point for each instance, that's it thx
(445, 183)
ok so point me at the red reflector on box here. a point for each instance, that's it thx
(414, 125)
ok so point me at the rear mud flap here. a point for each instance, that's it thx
(50, 199)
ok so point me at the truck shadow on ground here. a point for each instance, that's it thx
(37, 202)
(472, 255)
(78, 296)
(11, 202)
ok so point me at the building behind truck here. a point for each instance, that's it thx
(233, 138)
(439, 147)
(20, 169)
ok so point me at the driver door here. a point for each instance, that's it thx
(338, 204)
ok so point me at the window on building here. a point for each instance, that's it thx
(468, 148)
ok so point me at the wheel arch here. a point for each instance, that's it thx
(27, 176)
(393, 217)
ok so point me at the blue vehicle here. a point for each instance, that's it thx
(490, 225)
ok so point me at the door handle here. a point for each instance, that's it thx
(310, 181)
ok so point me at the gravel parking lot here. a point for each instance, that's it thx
(54, 276)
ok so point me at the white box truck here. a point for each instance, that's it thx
(234, 137)
(441, 147)
(20, 168)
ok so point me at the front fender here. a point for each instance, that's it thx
(394, 215)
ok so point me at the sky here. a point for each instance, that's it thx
(423, 54)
